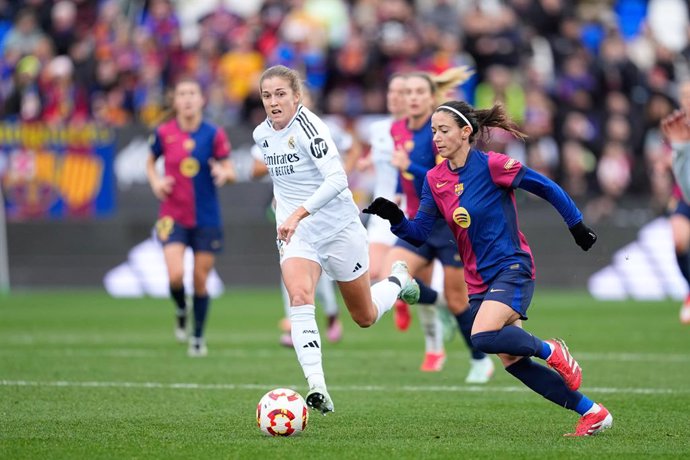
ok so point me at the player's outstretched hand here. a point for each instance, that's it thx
(584, 236)
(676, 127)
(385, 209)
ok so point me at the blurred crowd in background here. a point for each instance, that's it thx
(588, 81)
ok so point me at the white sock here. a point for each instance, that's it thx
(325, 290)
(383, 295)
(286, 299)
(307, 342)
(593, 410)
(432, 327)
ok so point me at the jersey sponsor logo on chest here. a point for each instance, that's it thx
(461, 217)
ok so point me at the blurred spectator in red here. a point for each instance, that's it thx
(64, 101)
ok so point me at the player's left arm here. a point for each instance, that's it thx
(325, 155)
(545, 188)
(222, 169)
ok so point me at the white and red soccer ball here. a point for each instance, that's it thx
(282, 412)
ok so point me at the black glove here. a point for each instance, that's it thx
(584, 236)
(385, 209)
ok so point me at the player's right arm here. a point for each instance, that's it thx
(161, 186)
(676, 129)
(415, 231)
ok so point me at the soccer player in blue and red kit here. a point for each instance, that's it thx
(473, 191)
(196, 158)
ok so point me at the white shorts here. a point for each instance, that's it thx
(344, 256)
(379, 231)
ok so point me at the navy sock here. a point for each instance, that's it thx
(178, 296)
(584, 405)
(200, 311)
(545, 351)
(426, 294)
(511, 340)
(684, 265)
(465, 320)
(547, 383)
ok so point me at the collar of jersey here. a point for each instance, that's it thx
(457, 171)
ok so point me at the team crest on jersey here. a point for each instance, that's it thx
(164, 227)
(459, 188)
(408, 145)
(318, 147)
(292, 143)
(189, 167)
(462, 217)
(188, 145)
(509, 164)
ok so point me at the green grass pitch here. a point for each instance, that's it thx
(83, 375)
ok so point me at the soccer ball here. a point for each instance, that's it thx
(282, 412)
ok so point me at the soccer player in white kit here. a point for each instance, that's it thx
(318, 225)
(381, 239)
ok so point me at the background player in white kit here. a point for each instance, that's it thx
(381, 239)
(318, 225)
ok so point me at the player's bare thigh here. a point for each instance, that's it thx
(357, 297)
(174, 262)
(300, 277)
(378, 253)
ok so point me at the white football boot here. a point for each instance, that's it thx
(319, 399)
(197, 348)
(481, 370)
(409, 291)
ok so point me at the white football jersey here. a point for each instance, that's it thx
(298, 158)
(382, 147)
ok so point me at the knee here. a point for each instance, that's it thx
(485, 341)
(364, 320)
(301, 297)
(458, 305)
(176, 278)
(509, 360)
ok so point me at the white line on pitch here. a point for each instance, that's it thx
(239, 353)
(365, 388)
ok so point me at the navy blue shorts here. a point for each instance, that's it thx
(441, 245)
(200, 239)
(683, 209)
(513, 287)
